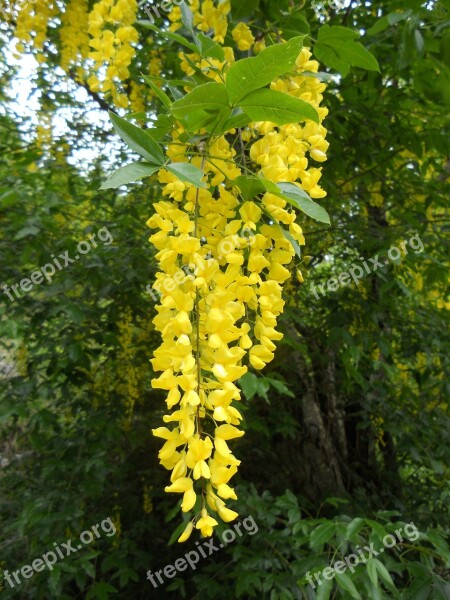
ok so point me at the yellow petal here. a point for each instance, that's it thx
(189, 500)
(186, 533)
(228, 432)
(226, 514)
(181, 485)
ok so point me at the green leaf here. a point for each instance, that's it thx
(291, 240)
(377, 528)
(374, 592)
(353, 528)
(111, 561)
(199, 75)
(388, 20)
(295, 25)
(237, 119)
(249, 385)
(243, 8)
(209, 47)
(138, 140)
(336, 47)
(75, 314)
(347, 584)
(251, 74)
(173, 512)
(129, 173)
(29, 230)
(441, 588)
(440, 544)
(384, 574)
(188, 173)
(187, 17)
(263, 387)
(100, 591)
(372, 571)
(162, 126)
(300, 199)
(419, 590)
(168, 34)
(277, 107)
(136, 116)
(396, 17)
(176, 93)
(324, 590)
(210, 96)
(420, 42)
(200, 120)
(251, 187)
(158, 91)
(181, 83)
(8, 198)
(322, 534)
(280, 386)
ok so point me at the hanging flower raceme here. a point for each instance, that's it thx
(31, 25)
(222, 263)
(226, 235)
(202, 322)
(112, 38)
(74, 36)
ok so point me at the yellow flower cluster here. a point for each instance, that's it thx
(223, 262)
(113, 35)
(155, 64)
(148, 502)
(282, 151)
(208, 16)
(210, 319)
(44, 129)
(129, 387)
(201, 351)
(243, 36)
(211, 67)
(74, 36)
(137, 97)
(32, 22)
(106, 35)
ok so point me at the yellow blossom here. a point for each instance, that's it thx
(206, 524)
(243, 36)
(186, 533)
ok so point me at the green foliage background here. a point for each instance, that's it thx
(346, 433)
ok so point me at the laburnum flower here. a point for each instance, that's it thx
(113, 49)
(206, 524)
(198, 452)
(186, 533)
(282, 152)
(221, 319)
(185, 486)
(209, 16)
(243, 36)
